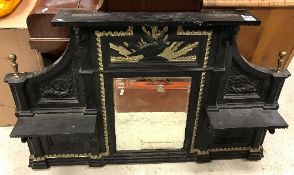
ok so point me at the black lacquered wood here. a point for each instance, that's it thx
(207, 18)
(54, 124)
(232, 103)
(245, 118)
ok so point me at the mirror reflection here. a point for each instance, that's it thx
(150, 112)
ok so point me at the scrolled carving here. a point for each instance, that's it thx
(239, 83)
(60, 87)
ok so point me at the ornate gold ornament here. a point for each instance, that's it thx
(175, 51)
(65, 156)
(99, 34)
(180, 31)
(250, 149)
(154, 42)
(104, 114)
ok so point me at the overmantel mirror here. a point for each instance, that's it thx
(147, 87)
(150, 109)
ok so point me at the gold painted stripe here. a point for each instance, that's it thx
(180, 31)
(99, 34)
(65, 156)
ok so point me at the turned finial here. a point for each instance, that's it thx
(281, 59)
(14, 64)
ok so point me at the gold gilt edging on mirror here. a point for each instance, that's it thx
(180, 31)
(104, 115)
(99, 34)
(154, 33)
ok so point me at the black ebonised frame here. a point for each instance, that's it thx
(78, 87)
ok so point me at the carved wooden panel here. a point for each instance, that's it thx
(61, 86)
(240, 83)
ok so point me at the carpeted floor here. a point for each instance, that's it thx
(278, 160)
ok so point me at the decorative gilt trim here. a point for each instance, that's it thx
(199, 105)
(129, 32)
(93, 156)
(259, 149)
(104, 114)
(99, 34)
(65, 156)
(181, 31)
(200, 152)
(250, 149)
(175, 51)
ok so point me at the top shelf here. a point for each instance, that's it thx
(73, 17)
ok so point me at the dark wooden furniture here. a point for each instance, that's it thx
(66, 112)
(268, 39)
(51, 41)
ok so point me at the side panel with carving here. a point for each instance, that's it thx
(243, 86)
(62, 87)
(58, 86)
